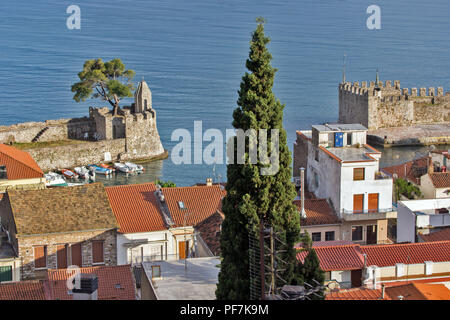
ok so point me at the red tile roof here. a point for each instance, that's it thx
(411, 170)
(23, 290)
(19, 164)
(200, 203)
(361, 293)
(114, 282)
(440, 179)
(410, 253)
(342, 257)
(318, 211)
(209, 230)
(419, 291)
(441, 235)
(136, 208)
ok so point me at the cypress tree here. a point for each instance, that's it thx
(251, 196)
(310, 270)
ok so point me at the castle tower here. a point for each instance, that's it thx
(142, 98)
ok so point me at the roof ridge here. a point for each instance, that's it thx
(405, 244)
(129, 185)
(196, 186)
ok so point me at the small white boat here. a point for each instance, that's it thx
(134, 167)
(100, 170)
(53, 179)
(122, 168)
(83, 172)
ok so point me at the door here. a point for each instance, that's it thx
(373, 202)
(358, 203)
(338, 139)
(356, 278)
(5, 273)
(182, 249)
(61, 256)
(371, 234)
(77, 258)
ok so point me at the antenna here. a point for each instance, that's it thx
(343, 67)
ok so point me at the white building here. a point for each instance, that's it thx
(343, 169)
(421, 216)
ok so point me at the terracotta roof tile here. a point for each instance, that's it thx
(342, 257)
(410, 253)
(65, 209)
(200, 203)
(440, 179)
(114, 282)
(23, 290)
(318, 211)
(419, 291)
(210, 231)
(441, 235)
(136, 208)
(356, 294)
(411, 170)
(19, 164)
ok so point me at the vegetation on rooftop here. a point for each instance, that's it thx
(407, 189)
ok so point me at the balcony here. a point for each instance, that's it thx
(388, 213)
(379, 175)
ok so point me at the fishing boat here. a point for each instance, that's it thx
(134, 167)
(69, 174)
(100, 170)
(122, 168)
(83, 172)
(52, 179)
(104, 165)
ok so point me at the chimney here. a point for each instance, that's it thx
(302, 190)
(87, 288)
(430, 164)
(209, 181)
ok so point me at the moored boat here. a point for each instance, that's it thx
(83, 172)
(104, 165)
(69, 174)
(52, 179)
(134, 167)
(100, 170)
(122, 168)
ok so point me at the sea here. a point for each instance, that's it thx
(192, 55)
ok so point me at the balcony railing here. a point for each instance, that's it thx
(369, 211)
(136, 260)
(381, 176)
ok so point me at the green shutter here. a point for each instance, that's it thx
(5, 273)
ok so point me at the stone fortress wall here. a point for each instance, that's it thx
(131, 134)
(389, 105)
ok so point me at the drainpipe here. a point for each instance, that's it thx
(302, 187)
(383, 290)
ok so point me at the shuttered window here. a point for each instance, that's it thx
(358, 174)
(5, 273)
(77, 258)
(40, 257)
(61, 256)
(97, 252)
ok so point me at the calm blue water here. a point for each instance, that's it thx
(192, 54)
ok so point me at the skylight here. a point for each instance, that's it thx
(181, 205)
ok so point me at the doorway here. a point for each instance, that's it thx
(371, 234)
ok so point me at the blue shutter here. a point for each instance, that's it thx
(339, 139)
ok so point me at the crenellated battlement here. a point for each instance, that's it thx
(386, 104)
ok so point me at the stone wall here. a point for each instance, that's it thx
(72, 155)
(26, 251)
(391, 106)
(63, 129)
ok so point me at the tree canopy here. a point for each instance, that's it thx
(109, 81)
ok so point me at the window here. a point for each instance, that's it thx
(349, 138)
(77, 256)
(3, 174)
(316, 179)
(316, 236)
(61, 256)
(316, 154)
(327, 276)
(357, 233)
(5, 273)
(40, 257)
(358, 174)
(329, 236)
(97, 252)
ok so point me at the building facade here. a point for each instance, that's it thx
(343, 169)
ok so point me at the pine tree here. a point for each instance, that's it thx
(252, 196)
